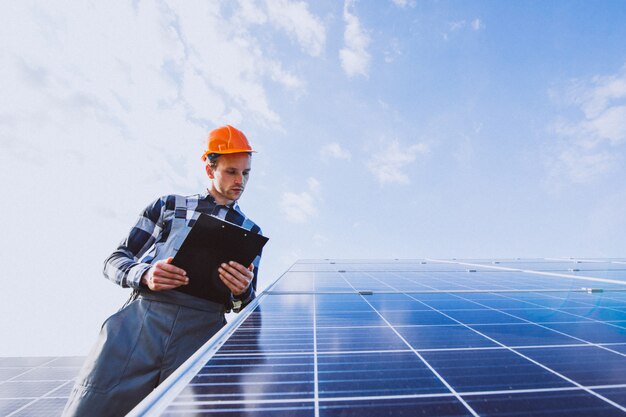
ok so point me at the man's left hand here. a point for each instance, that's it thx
(236, 276)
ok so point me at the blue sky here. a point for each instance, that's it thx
(385, 129)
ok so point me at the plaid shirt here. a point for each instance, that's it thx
(134, 255)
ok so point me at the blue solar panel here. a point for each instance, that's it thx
(417, 337)
(36, 386)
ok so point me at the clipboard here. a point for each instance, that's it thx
(211, 242)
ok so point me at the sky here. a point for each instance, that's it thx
(384, 129)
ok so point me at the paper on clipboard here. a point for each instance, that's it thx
(211, 242)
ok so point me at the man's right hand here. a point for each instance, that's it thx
(164, 276)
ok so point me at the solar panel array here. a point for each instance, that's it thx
(36, 386)
(417, 337)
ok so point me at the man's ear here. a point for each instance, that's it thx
(209, 171)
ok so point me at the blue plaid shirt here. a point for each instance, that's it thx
(135, 254)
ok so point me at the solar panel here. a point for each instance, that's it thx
(477, 337)
(36, 386)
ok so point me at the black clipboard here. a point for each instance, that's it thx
(211, 242)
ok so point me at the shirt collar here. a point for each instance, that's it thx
(207, 195)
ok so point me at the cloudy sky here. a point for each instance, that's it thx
(385, 129)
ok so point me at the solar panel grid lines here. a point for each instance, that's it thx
(343, 338)
(315, 361)
(545, 273)
(565, 312)
(36, 386)
(481, 279)
(525, 357)
(467, 406)
(617, 261)
(545, 367)
(532, 323)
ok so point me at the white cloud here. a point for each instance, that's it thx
(334, 150)
(610, 125)
(460, 25)
(589, 145)
(291, 17)
(105, 106)
(314, 186)
(404, 3)
(464, 151)
(230, 60)
(477, 24)
(294, 17)
(388, 165)
(393, 51)
(320, 240)
(301, 207)
(287, 79)
(594, 96)
(250, 12)
(354, 56)
(161, 71)
(579, 165)
(298, 207)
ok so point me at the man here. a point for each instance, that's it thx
(160, 327)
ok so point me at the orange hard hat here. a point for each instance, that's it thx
(225, 140)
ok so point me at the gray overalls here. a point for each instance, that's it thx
(144, 342)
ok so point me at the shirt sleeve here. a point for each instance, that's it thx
(123, 266)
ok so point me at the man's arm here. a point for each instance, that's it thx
(241, 281)
(236, 277)
(164, 276)
(123, 266)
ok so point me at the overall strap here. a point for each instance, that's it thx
(247, 224)
(180, 211)
(179, 231)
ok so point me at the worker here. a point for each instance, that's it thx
(160, 327)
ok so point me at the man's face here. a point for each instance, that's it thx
(229, 177)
